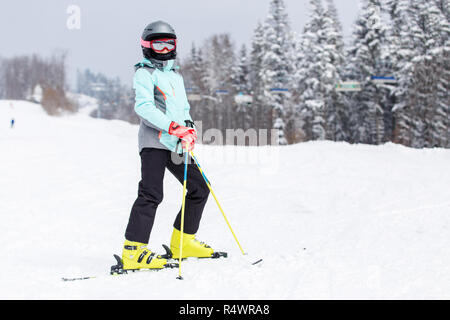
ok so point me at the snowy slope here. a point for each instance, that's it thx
(86, 104)
(331, 220)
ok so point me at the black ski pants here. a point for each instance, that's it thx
(150, 193)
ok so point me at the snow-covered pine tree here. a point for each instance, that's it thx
(300, 121)
(336, 108)
(241, 72)
(444, 7)
(430, 34)
(256, 84)
(421, 33)
(193, 71)
(438, 46)
(443, 96)
(227, 63)
(402, 51)
(276, 67)
(368, 57)
(293, 127)
(241, 85)
(219, 59)
(332, 13)
(315, 73)
(438, 120)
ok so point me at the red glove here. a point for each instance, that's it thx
(184, 145)
(187, 135)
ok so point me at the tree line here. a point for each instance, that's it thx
(406, 40)
(293, 78)
(115, 100)
(38, 79)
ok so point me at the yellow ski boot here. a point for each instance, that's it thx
(135, 256)
(191, 247)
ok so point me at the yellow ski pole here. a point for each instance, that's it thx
(217, 201)
(183, 205)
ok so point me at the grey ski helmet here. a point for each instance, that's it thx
(158, 30)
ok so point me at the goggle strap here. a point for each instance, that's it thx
(145, 44)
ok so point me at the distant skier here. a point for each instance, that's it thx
(162, 105)
(12, 122)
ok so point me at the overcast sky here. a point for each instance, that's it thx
(108, 38)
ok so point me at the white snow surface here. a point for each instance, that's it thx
(331, 220)
(85, 103)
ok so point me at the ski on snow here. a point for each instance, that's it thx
(118, 269)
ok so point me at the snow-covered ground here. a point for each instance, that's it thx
(330, 220)
(86, 103)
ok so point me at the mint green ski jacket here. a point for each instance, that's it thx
(160, 99)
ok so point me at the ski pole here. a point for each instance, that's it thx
(183, 205)
(217, 201)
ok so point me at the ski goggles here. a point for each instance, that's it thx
(159, 45)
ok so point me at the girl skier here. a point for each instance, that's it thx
(162, 105)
